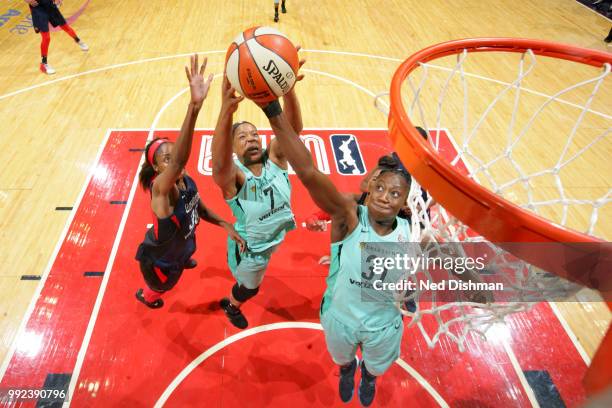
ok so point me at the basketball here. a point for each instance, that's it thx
(261, 64)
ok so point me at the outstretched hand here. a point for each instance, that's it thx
(229, 99)
(197, 85)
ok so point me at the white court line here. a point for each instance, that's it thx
(415, 374)
(343, 79)
(354, 54)
(166, 57)
(269, 327)
(43, 280)
(520, 373)
(101, 290)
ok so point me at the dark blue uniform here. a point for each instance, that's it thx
(46, 12)
(170, 243)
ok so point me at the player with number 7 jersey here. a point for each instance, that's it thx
(256, 186)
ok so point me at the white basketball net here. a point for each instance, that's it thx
(456, 320)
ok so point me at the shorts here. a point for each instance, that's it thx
(158, 279)
(248, 267)
(379, 348)
(45, 14)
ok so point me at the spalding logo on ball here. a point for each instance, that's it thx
(261, 64)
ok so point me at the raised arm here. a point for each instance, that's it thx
(291, 104)
(182, 148)
(224, 170)
(291, 107)
(324, 193)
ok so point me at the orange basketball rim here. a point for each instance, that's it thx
(495, 218)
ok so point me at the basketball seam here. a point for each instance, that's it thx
(279, 55)
(255, 35)
(258, 69)
(241, 39)
(237, 50)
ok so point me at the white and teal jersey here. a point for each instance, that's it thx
(262, 206)
(348, 285)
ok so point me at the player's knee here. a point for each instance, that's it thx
(242, 293)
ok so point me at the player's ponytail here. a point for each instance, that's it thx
(387, 162)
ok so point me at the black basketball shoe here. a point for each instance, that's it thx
(367, 387)
(191, 263)
(234, 314)
(346, 385)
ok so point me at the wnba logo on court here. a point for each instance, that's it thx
(347, 155)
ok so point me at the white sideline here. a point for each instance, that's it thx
(45, 274)
(96, 309)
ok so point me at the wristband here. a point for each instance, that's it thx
(273, 109)
(320, 216)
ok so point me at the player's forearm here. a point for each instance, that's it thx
(182, 149)
(221, 148)
(292, 147)
(210, 216)
(292, 110)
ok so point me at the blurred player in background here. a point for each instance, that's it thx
(45, 12)
(283, 9)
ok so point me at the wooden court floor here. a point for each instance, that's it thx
(52, 127)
